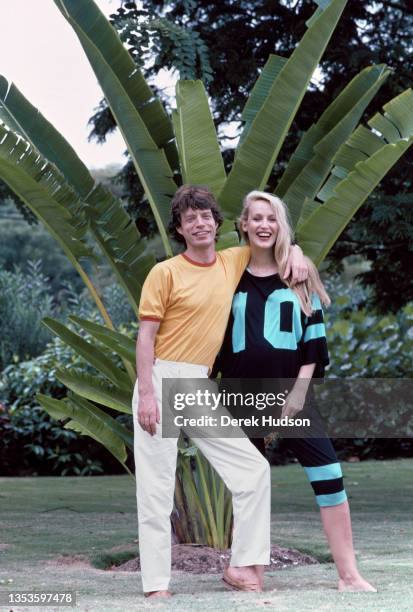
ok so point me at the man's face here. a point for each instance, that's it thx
(198, 227)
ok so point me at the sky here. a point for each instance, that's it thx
(41, 54)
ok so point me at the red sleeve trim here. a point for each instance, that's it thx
(155, 319)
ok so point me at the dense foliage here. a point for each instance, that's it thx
(362, 344)
(32, 442)
(72, 204)
(25, 299)
(226, 44)
(236, 41)
(21, 243)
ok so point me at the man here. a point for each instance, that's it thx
(183, 311)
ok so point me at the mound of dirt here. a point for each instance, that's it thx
(198, 559)
(72, 560)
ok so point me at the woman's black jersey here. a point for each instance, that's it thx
(268, 335)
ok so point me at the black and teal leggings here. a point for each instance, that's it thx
(319, 460)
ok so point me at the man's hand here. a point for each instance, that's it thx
(296, 266)
(294, 403)
(148, 413)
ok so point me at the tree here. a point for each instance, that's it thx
(335, 167)
(237, 39)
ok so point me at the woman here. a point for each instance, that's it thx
(276, 331)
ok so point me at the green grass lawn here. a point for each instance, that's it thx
(42, 518)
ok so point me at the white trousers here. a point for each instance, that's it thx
(241, 466)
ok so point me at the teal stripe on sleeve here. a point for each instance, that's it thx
(331, 499)
(324, 472)
(315, 331)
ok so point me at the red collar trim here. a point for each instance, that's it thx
(197, 263)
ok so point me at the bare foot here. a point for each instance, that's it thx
(355, 585)
(259, 572)
(243, 578)
(156, 594)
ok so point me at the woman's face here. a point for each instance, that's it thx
(261, 225)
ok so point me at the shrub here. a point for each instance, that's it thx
(365, 344)
(118, 307)
(24, 300)
(30, 355)
(21, 243)
(32, 443)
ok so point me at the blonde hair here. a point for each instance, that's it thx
(313, 284)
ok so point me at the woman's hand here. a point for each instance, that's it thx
(296, 398)
(295, 402)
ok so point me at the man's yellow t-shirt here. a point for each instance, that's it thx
(192, 301)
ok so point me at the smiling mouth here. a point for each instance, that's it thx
(264, 235)
(200, 234)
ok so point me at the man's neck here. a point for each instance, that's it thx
(203, 255)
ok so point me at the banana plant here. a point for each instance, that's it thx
(359, 165)
(90, 207)
(203, 509)
(335, 167)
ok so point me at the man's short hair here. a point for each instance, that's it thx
(192, 196)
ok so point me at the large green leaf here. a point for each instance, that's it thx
(90, 420)
(94, 389)
(41, 186)
(118, 429)
(328, 134)
(228, 240)
(93, 23)
(113, 340)
(338, 109)
(120, 241)
(204, 491)
(322, 5)
(124, 89)
(175, 123)
(23, 118)
(111, 226)
(91, 353)
(260, 91)
(201, 159)
(256, 155)
(263, 84)
(363, 160)
(308, 209)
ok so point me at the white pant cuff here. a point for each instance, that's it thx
(156, 587)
